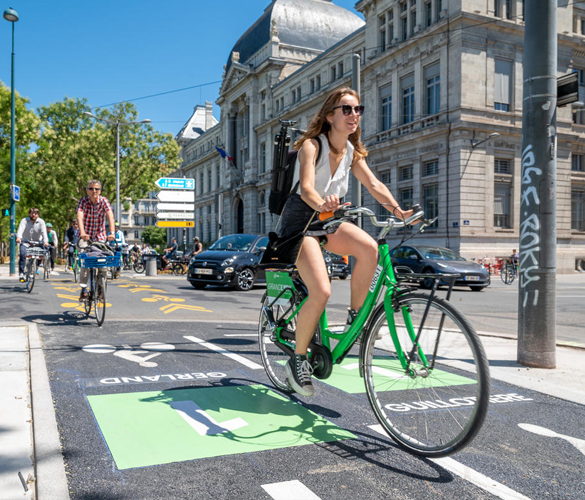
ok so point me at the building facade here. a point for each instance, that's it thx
(442, 84)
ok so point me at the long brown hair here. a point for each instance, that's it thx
(320, 125)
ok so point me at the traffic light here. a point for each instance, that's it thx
(5, 212)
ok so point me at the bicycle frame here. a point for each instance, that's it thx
(383, 277)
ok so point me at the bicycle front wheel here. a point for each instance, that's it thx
(437, 405)
(139, 266)
(100, 299)
(178, 269)
(31, 272)
(507, 276)
(274, 358)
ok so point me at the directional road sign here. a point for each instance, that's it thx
(175, 215)
(175, 207)
(185, 196)
(175, 223)
(15, 192)
(175, 183)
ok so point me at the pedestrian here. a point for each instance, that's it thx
(92, 211)
(323, 180)
(31, 228)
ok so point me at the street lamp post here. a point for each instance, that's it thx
(117, 123)
(11, 16)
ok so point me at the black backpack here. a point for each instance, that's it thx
(283, 170)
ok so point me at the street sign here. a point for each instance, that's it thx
(175, 183)
(15, 192)
(188, 196)
(176, 206)
(175, 215)
(175, 223)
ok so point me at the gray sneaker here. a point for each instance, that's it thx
(298, 372)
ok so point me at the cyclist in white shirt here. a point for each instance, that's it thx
(31, 228)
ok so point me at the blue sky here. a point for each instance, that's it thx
(113, 50)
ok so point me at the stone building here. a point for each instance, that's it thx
(442, 84)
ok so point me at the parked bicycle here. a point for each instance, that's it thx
(34, 254)
(97, 283)
(425, 371)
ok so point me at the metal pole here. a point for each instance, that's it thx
(12, 168)
(356, 85)
(537, 292)
(118, 171)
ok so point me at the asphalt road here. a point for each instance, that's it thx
(120, 393)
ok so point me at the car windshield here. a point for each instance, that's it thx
(436, 253)
(234, 242)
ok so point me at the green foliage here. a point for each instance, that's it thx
(155, 236)
(26, 133)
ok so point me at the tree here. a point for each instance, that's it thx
(74, 148)
(154, 236)
(26, 133)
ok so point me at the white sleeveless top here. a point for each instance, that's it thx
(326, 185)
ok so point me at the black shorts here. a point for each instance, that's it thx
(296, 215)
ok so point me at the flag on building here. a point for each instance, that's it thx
(223, 154)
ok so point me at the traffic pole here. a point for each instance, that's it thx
(537, 287)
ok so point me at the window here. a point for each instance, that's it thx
(503, 87)
(430, 168)
(312, 86)
(385, 177)
(433, 89)
(318, 82)
(509, 14)
(502, 166)
(201, 187)
(406, 198)
(403, 6)
(299, 93)
(262, 157)
(502, 205)
(333, 73)
(294, 96)
(282, 104)
(382, 20)
(577, 163)
(431, 202)
(209, 179)
(404, 22)
(412, 20)
(137, 221)
(340, 71)
(405, 173)
(407, 86)
(136, 235)
(498, 8)
(439, 8)
(262, 223)
(428, 8)
(578, 209)
(386, 105)
(277, 105)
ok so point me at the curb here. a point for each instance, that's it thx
(51, 480)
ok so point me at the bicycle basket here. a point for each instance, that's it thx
(100, 261)
(35, 252)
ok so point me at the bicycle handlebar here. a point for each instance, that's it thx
(351, 213)
(33, 243)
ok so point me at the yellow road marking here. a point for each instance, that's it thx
(63, 296)
(67, 288)
(156, 298)
(135, 290)
(175, 307)
(80, 307)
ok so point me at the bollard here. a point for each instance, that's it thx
(151, 266)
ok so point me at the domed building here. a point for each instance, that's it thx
(231, 191)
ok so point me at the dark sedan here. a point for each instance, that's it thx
(232, 260)
(437, 260)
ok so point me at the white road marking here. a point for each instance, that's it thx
(379, 370)
(467, 473)
(543, 431)
(221, 350)
(240, 334)
(202, 422)
(289, 490)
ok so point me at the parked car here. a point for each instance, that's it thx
(437, 260)
(232, 260)
(337, 266)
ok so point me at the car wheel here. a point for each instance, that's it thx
(198, 286)
(245, 280)
(476, 288)
(427, 283)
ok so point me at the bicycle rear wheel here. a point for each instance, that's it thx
(46, 269)
(434, 410)
(100, 298)
(139, 266)
(75, 271)
(178, 269)
(274, 358)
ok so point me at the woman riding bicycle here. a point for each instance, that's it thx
(323, 180)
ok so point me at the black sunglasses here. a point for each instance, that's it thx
(347, 109)
(94, 189)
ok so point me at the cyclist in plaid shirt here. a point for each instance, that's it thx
(91, 218)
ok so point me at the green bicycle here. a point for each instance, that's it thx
(425, 371)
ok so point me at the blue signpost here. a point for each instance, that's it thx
(15, 193)
(175, 183)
